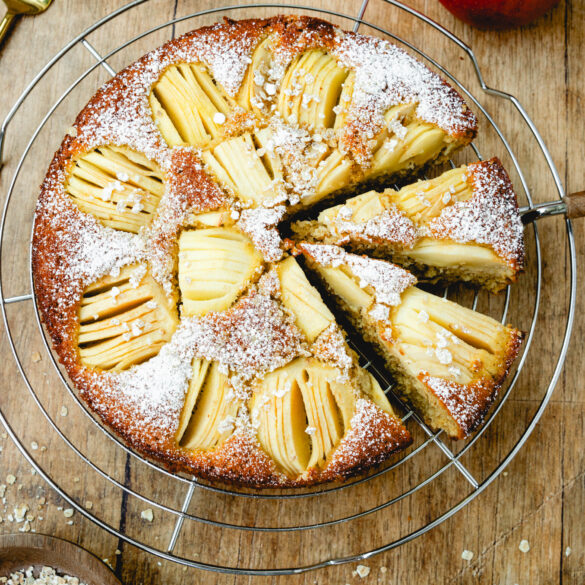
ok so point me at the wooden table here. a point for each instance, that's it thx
(541, 497)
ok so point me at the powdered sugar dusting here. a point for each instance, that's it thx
(386, 279)
(97, 251)
(156, 388)
(392, 225)
(299, 150)
(228, 55)
(465, 403)
(331, 347)
(489, 217)
(256, 336)
(260, 225)
(373, 435)
(386, 76)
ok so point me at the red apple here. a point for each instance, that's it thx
(498, 13)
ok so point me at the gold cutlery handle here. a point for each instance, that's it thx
(5, 24)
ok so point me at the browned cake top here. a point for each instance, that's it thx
(72, 249)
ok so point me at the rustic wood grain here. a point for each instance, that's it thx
(540, 497)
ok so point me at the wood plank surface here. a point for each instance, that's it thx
(540, 497)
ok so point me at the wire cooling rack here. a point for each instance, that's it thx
(221, 528)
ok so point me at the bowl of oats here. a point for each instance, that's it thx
(38, 559)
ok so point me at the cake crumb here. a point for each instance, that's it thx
(147, 515)
(36, 356)
(363, 571)
(568, 551)
(10, 479)
(20, 512)
(68, 512)
(64, 411)
(466, 555)
(524, 546)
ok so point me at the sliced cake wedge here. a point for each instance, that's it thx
(448, 361)
(461, 226)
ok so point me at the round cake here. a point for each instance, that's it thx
(163, 267)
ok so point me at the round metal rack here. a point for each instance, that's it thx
(188, 503)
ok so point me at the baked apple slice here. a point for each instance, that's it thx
(301, 411)
(215, 266)
(303, 300)
(210, 413)
(259, 88)
(244, 166)
(188, 107)
(311, 89)
(124, 320)
(117, 185)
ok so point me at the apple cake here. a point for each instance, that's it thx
(461, 226)
(173, 301)
(448, 361)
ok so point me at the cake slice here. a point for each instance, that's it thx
(462, 225)
(448, 361)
